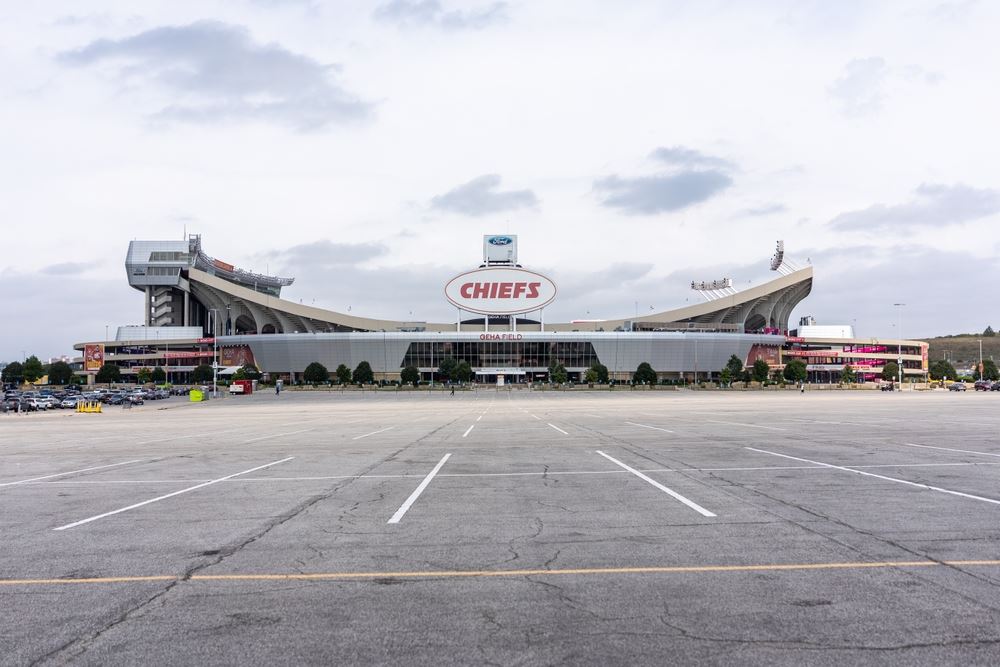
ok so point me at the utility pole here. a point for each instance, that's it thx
(899, 353)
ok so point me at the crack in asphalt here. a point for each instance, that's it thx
(79, 645)
(654, 457)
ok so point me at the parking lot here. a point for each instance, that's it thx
(505, 527)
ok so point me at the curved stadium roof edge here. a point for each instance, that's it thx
(766, 305)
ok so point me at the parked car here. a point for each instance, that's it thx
(982, 385)
(135, 399)
(957, 386)
(51, 402)
(69, 402)
(995, 386)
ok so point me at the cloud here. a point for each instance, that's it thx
(765, 209)
(933, 205)
(862, 282)
(859, 89)
(480, 196)
(407, 13)
(679, 156)
(66, 268)
(690, 177)
(62, 311)
(216, 72)
(649, 195)
(324, 255)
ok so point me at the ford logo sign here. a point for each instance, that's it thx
(501, 240)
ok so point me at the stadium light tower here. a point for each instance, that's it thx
(899, 352)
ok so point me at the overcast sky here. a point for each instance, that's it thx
(633, 146)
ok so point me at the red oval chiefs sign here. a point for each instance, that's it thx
(500, 291)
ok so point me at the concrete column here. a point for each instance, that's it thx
(187, 309)
(149, 305)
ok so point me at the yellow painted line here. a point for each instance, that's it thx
(451, 574)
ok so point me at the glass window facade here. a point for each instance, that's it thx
(502, 354)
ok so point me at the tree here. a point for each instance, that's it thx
(644, 374)
(316, 373)
(247, 372)
(746, 377)
(602, 373)
(890, 371)
(202, 373)
(143, 375)
(795, 371)
(760, 370)
(109, 373)
(33, 369)
(990, 371)
(462, 372)
(989, 333)
(363, 374)
(557, 374)
(726, 376)
(13, 372)
(590, 377)
(410, 375)
(60, 373)
(159, 376)
(447, 368)
(735, 366)
(343, 374)
(941, 369)
(848, 375)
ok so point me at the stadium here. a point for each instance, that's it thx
(199, 309)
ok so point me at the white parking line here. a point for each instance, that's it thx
(276, 435)
(558, 429)
(170, 495)
(888, 479)
(949, 449)
(468, 430)
(536, 417)
(388, 428)
(769, 428)
(420, 489)
(670, 492)
(71, 472)
(655, 428)
(479, 417)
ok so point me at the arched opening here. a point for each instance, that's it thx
(268, 329)
(244, 324)
(755, 322)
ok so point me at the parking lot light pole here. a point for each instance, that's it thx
(899, 353)
(215, 362)
(982, 376)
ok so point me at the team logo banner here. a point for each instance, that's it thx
(500, 291)
(93, 357)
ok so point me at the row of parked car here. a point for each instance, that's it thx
(32, 401)
(980, 385)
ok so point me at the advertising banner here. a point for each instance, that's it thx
(93, 357)
(238, 355)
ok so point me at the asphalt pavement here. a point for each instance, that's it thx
(505, 527)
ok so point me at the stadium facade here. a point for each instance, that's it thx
(198, 308)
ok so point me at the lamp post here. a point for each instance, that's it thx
(899, 353)
(981, 375)
(214, 323)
